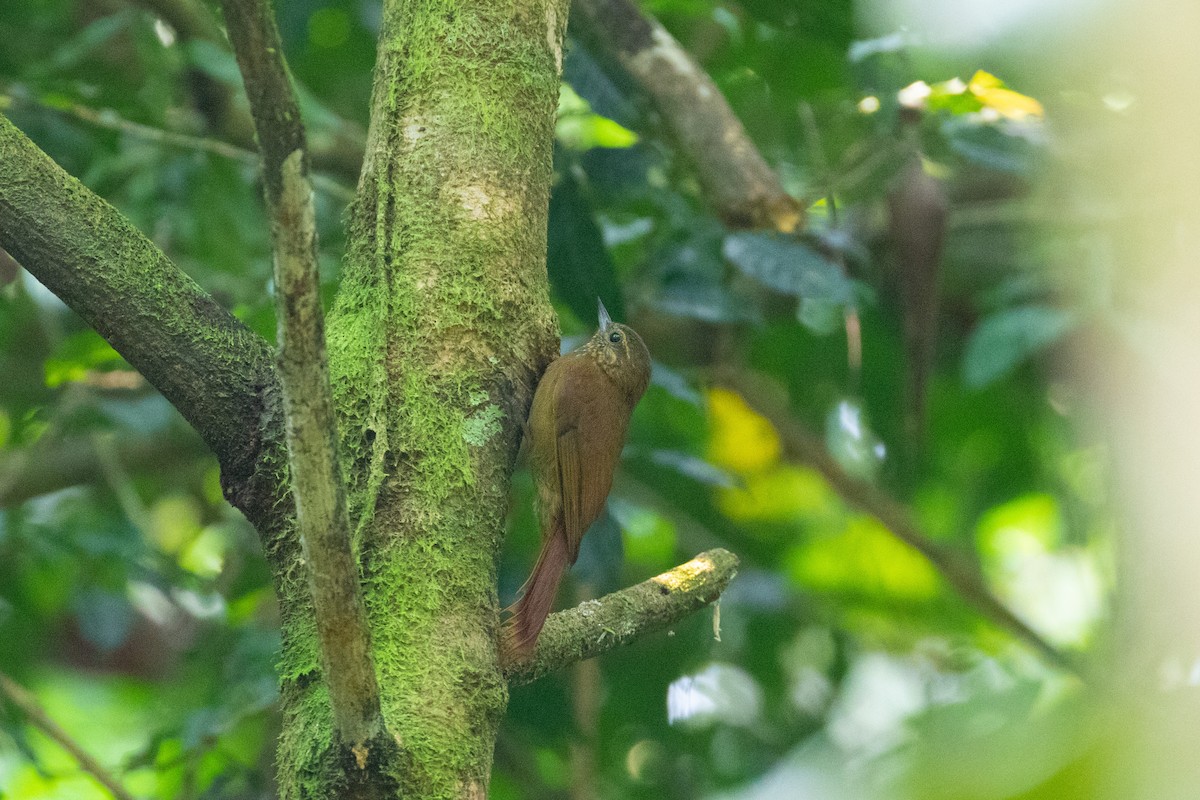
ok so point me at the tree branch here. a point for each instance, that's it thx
(318, 487)
(597, 626)
(48, 466)
(204, 361)
(804, 446)
(735, 178)
(109, 120)
(37, 716)
(341, 154)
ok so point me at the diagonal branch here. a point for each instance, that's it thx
(736, 179)
(342, 151)
(37, 716)
(597, 626)
(109, 120)
(961, 573)
(205, 362)
(318, 488)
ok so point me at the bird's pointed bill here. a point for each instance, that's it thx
(605, 319)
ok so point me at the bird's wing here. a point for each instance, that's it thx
(570, 479)
(587, 446)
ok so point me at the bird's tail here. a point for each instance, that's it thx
(530, 611)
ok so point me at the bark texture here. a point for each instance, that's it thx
(737, 181)
(320, 496)
(597, 626)
(218, 373)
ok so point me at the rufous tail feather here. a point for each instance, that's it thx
(530, 611)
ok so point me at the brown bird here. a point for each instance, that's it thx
(576, 429)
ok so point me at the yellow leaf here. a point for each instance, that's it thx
(741, 440)
(983, 80)
(993, 94)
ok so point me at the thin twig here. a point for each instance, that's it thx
(110, 120)
(806, 447)
(32, 709)
(585, 706)
(597, 626)
(104, 445)
(318, 487)
(851, 320)
(339, 152)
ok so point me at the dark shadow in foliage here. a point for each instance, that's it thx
(578, 262)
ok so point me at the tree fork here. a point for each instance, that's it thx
(213, 369)
(439, 331)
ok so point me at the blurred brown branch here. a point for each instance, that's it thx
(958, 570)
(736, 180)
(49, 466)
(339, 153)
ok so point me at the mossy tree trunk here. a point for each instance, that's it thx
(439, 332)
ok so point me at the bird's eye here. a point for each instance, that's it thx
(615, 337)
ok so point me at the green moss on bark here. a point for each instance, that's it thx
(205, 362)
(440, 329)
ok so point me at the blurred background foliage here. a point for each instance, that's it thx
(135, 604)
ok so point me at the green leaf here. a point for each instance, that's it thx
(705, 302)
(788, 266)
(851, 440)
(1007, 338)
(674, 383)
(105, 618)
(589, 80)
(551, 768)
(1004, 148)
(819, 316)
(860, 558)
(579, 128)
(77, 355)
(694, 467)
(862, 49)
(89, 40)
(214, 61)
(648, 537)
(579, 264)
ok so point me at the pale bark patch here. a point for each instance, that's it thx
(666, 52)
(475, 201)
(414, 129)
(482, 202)
(553, 36)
